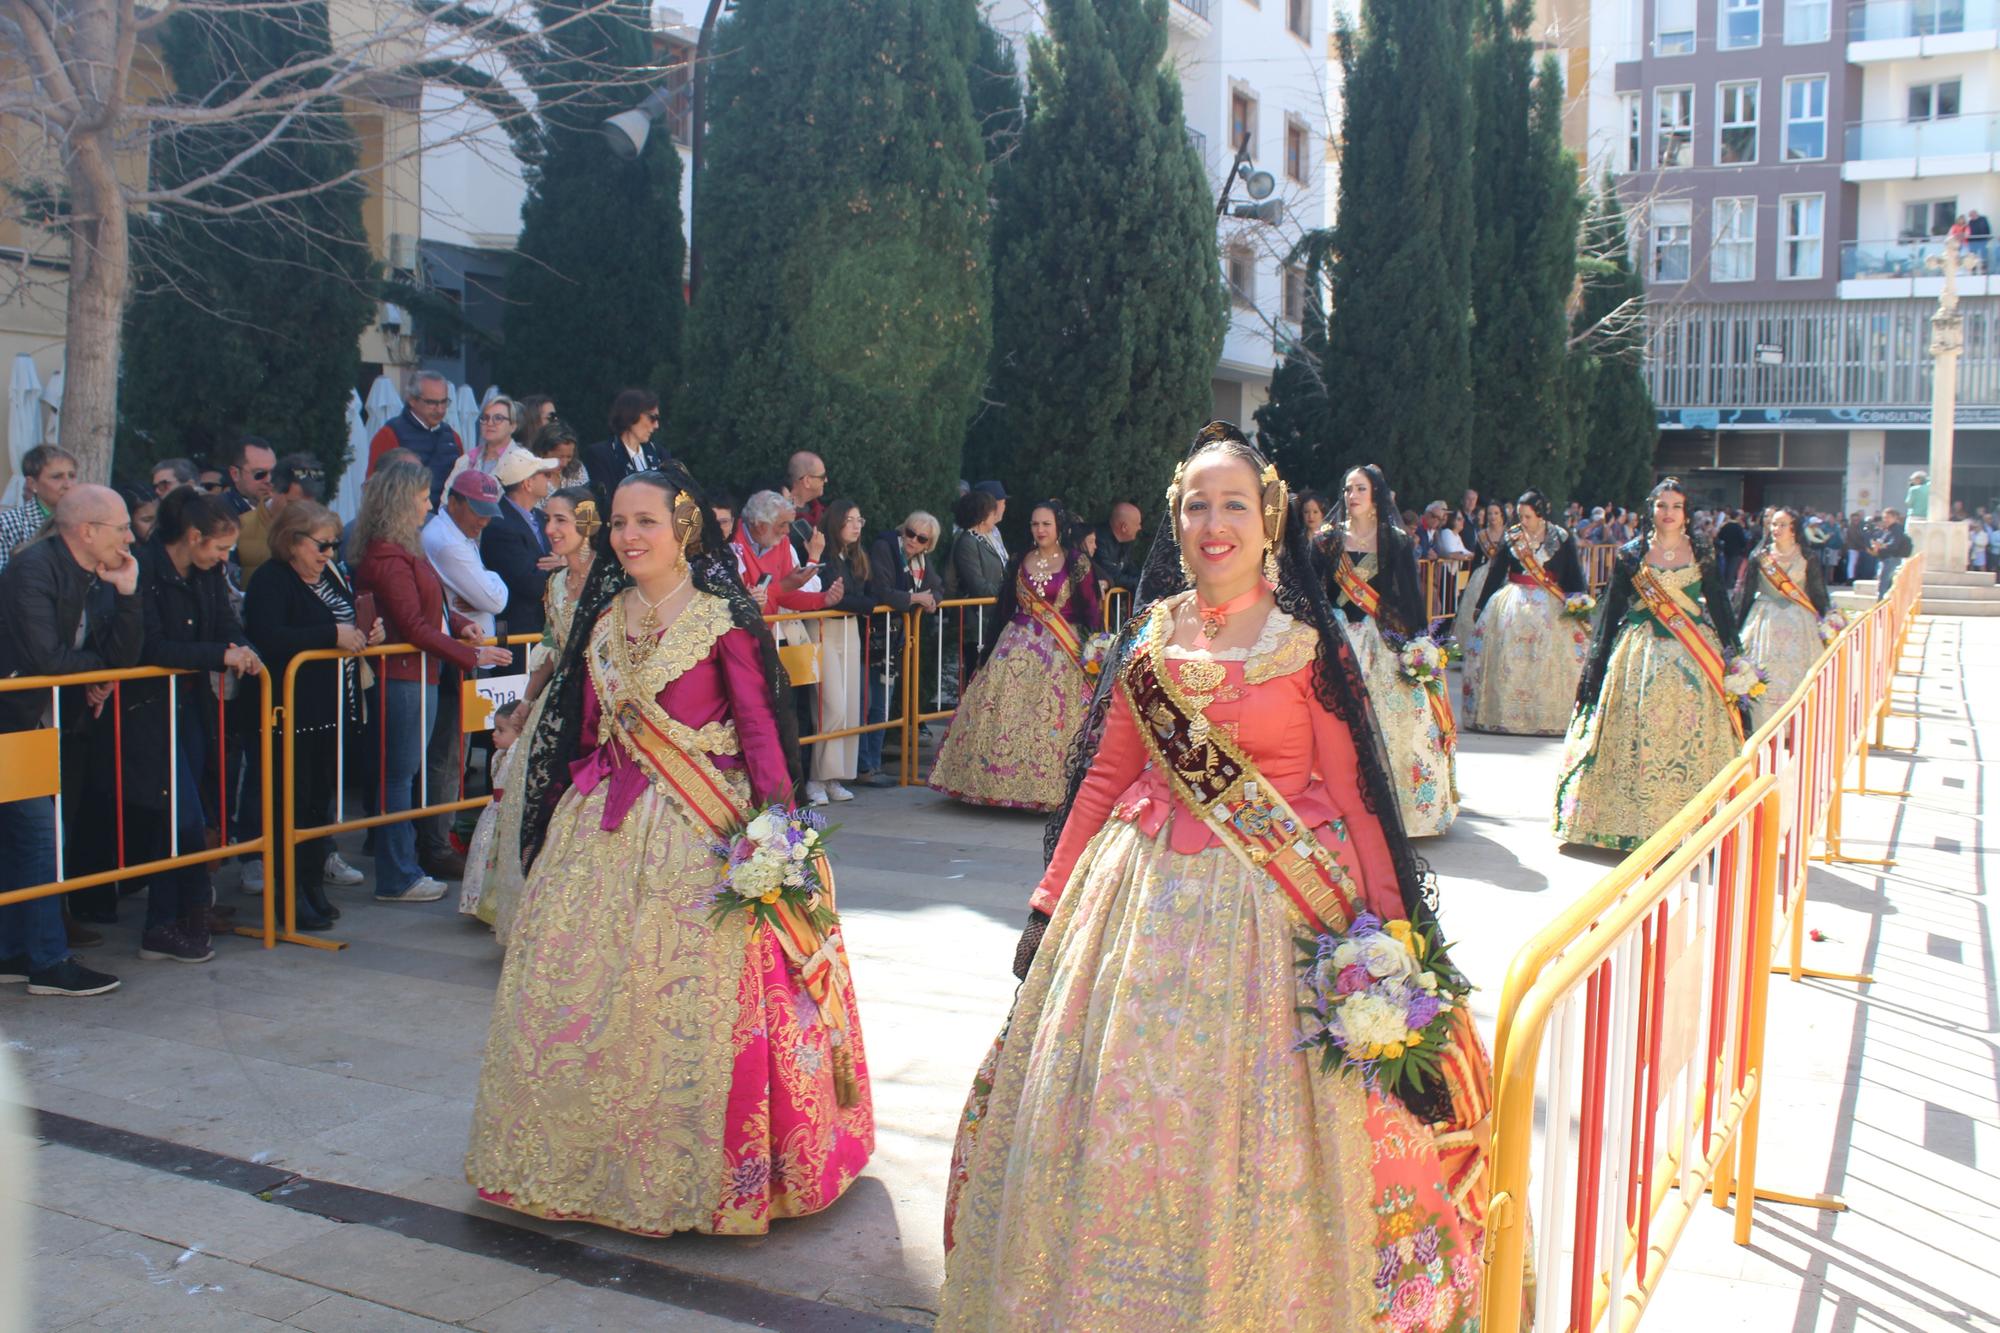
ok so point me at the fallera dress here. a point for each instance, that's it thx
(1526, 655)
(648, 1069)
(1009, 740)
(1779, 633)
(1466, 618)
(1418, 735)
(1147, 1150)
(1649, 730)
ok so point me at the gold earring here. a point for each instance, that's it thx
(1271, 565)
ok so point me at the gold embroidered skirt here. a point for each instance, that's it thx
(1658, 735)
(1423, 769)
(1522, 679)
(1009, 741)
(1154, 1155)
(1782, 637)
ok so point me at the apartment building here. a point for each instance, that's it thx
(1255, 68)
(1791, 167)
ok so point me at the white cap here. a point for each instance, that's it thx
(517, 465)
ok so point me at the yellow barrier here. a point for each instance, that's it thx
(895, 688)
(43, 747)
(1783, 793)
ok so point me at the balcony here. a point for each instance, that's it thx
(1190, 16)
(1909, 149)
(1884, 270)
(1911, 29)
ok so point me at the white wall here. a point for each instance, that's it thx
(1879, 211)
(1885, 86)
(471, 183)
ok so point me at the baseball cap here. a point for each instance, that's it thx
(517, 465)
(480, 492)
(992, 488)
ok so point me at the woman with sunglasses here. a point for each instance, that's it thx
(496, 437)
(635, 420)
(1027, 699)
(903, 572)
(298, 601)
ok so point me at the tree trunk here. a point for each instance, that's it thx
(99, 267)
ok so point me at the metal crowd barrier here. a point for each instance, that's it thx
(1441, 580)
(31, 768)
(894, 659)
(1634, 1022)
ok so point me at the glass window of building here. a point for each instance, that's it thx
(1805, 118)
(1673, 227)
(1801, 221)
(1733, 258)
(1673, 127)
(1740, 24)
(1736, 123)
(1807, 21)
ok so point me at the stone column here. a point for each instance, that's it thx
(1942, 543)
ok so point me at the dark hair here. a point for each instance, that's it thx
(1076, 571)
(576, 495)
(507, 710)
(183, 510)
(831, 522)
(973, 508)
(549, 436)
(241, 449)
(1798, 528)
(1536, 500)
(629, 406)
(301, 470)
(1314, 498)
(182, 468)
(1386, 518)
(41, 456)
(525, 411)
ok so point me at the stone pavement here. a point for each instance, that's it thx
(275, 1138)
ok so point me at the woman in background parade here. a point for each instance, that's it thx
(1028, 692)
(1372, 581)
(1656, 711)
(492, 885)
(1532, 629)
(1782, 607)
(652, 1066)
(1150, 1148)
(1485, 543)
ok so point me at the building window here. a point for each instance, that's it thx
(1934, 101)
(1298, 18)
(1801, 219)
(1634, 157)
(1736, 124)
(1242, 122)
(1805, 118)
(1931, 17)
(1928, 217)
(1673, 127)
(1295, 294)
(1807, 21)
(1740, 24)
(1733, 257)
(1242, 276)
(1673, 32)
(1298, 152)
(1673, 225)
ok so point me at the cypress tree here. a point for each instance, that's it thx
(247, 322)
(1397, 341)
(1619, 430)
(1525, 212)
(594, 289)
(845, 288)
(1108, 309)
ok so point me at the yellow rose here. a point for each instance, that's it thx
(1393, 1050)
(770, 897)
(1416, 1039)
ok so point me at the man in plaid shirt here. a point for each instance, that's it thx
(47, 473)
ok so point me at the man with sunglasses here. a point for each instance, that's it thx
(296, 477)
(250, 466)
(420, 427)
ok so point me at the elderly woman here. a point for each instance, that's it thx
(780, 581)
(298, 602)
(558, 441)
(902, 573)
(496, 437)
(393, 567)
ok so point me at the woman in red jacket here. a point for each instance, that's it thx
(411, 601)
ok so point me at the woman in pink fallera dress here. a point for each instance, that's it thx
(650, 1068)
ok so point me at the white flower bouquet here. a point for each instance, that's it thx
(1422, 660)
(1379, 1004)
(1579, 605)
(1832, 625)
(1097, 651)
(777, 857)
(1745, 680)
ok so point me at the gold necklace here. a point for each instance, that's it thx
(1041, 566)
(649, 623)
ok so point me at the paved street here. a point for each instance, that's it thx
(275, 1138)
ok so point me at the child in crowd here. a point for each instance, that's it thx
(507, 722)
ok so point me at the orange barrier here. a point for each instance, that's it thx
(1597, 560)
(896, 661)
(32, 764)
(1633, 1024)
(1441, 580)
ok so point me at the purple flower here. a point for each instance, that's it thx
(749, 1178)
(1426, 1251)
(1421, 1011)
(1365, 924)
(1389, 1263)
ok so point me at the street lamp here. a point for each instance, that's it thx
(1258, 184)
(626, 132)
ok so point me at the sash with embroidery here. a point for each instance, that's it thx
(1356, 589)
(670, 754)
(1676, 615)
(1775, 575)
(1048, 614)
(1215, 779)
(1531, 562)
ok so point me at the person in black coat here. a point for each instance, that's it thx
(902, 574)
(635, 418)
(169, 740)
(516, 546)
(1395, 578)
(298, 601)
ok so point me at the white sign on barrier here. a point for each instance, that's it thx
(483, 694)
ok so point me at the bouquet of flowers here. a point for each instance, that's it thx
(1422, 660)
(1579, 605)
(776, 858)
(1381, 1004)
(1096, 651)
(1832, 625)
(1745, 680)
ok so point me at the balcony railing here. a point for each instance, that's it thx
(1199, 142)
(1861, 260)
(1194, 6)
(1888, 20)
(1951, 136)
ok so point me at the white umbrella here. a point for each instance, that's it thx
(465, 415)
(24, 420)
(52, 396)
(492, 392)
(347, 503)
(383, 402)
